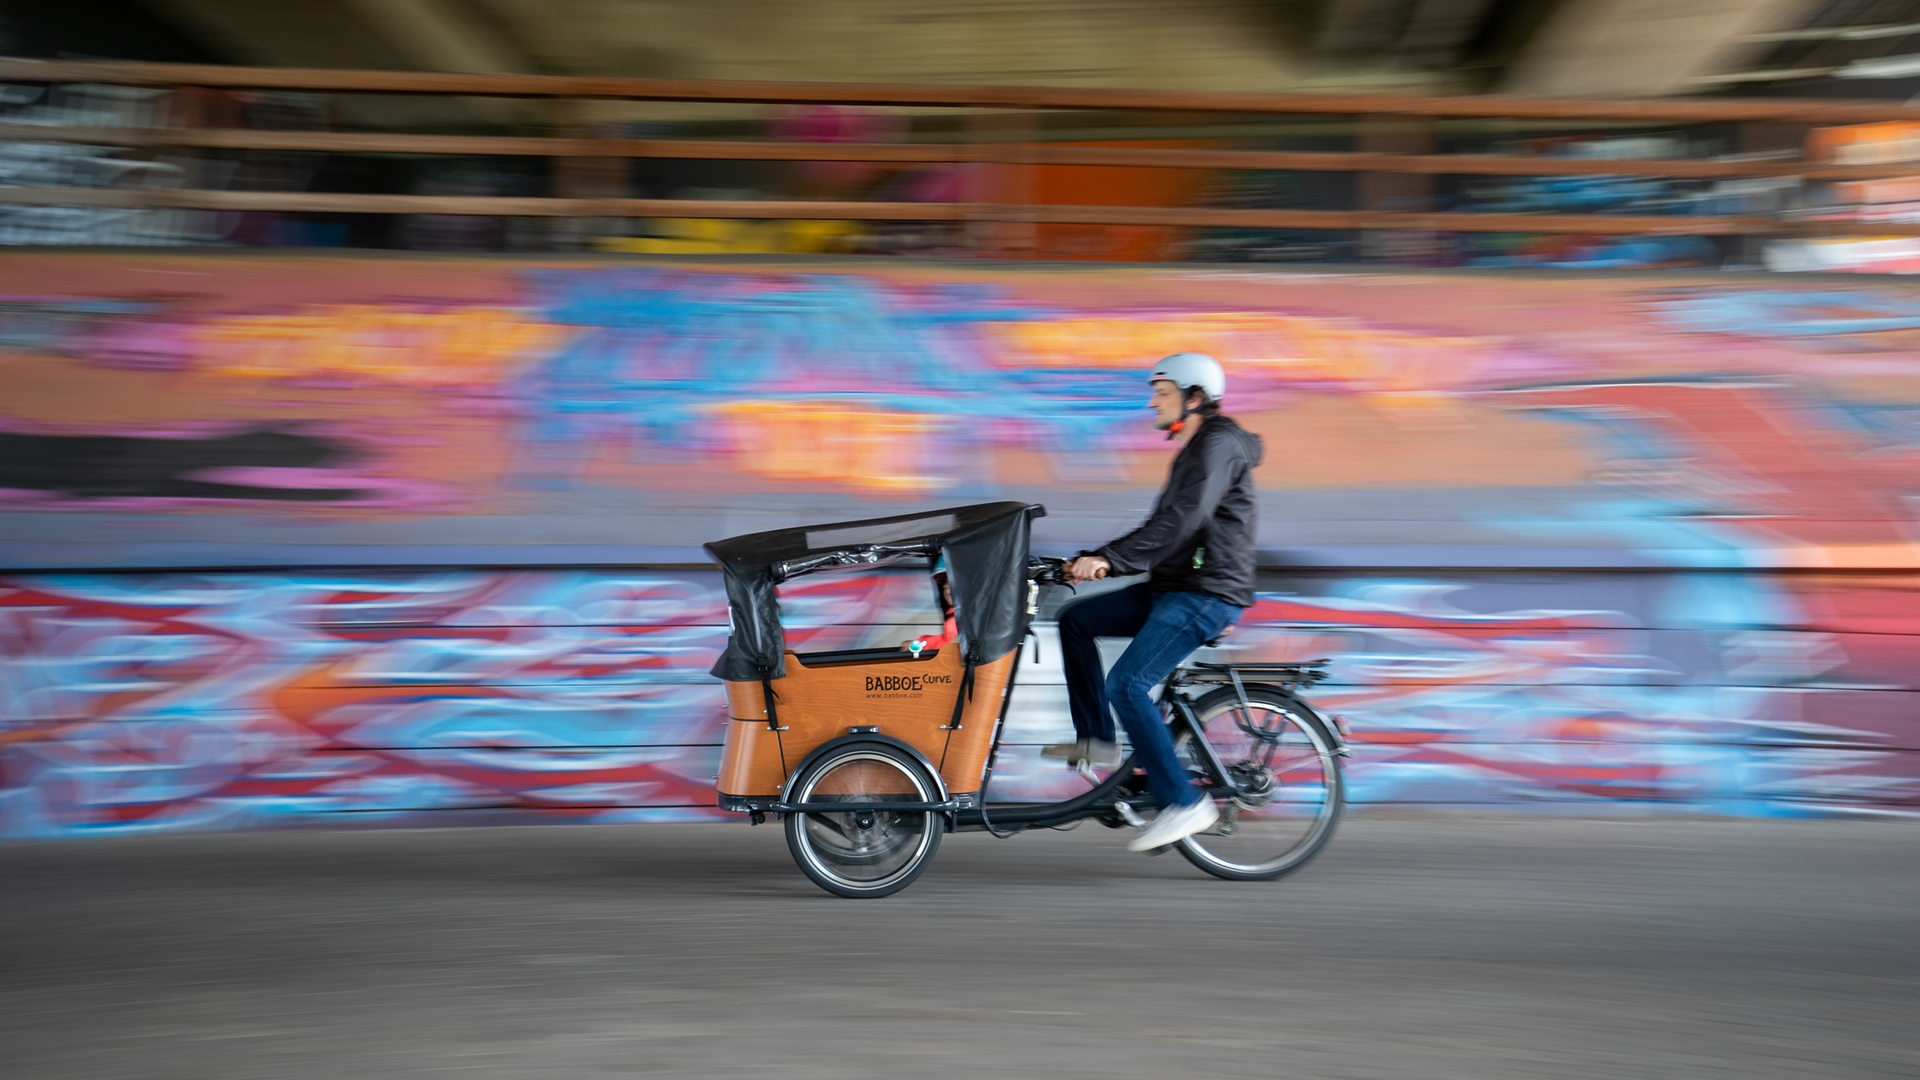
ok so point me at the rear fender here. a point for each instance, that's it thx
(939, 785)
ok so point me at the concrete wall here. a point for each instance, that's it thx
(299, 540)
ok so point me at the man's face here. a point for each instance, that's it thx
(1165, 404)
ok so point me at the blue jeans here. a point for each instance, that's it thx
(1165, 627)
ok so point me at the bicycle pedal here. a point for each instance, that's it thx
(1131, 815)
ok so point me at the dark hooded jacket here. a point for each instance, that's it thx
(1200, 535)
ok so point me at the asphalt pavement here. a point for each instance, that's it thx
(1422, 947)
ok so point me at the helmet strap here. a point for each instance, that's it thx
(1186, 410)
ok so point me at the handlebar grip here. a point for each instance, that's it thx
(1046, 569)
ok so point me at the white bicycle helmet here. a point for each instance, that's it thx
(1191, 369)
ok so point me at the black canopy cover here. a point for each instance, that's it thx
(985, 545)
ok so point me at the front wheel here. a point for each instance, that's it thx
(1284, 793)
(867, 850)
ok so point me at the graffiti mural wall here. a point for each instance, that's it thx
(295, 540)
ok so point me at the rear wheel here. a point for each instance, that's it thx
(1286, 793)
(867, 850)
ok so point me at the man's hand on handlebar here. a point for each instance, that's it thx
(1087, 568)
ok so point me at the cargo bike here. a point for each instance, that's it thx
(871, 755)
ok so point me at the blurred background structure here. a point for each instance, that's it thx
(1224, 130)
(374, 369)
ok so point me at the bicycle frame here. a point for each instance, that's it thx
(1104, 799)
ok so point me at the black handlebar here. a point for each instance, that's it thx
(870, 555)
(1044, 569)
(1047, 570)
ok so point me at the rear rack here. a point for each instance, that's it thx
(1290, 675)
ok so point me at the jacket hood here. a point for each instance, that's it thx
(1256, 448)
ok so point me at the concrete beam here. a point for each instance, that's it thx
(398, 35)
(314, 33)
(1644, 48)
(1422, 31)
(442, 36)
(1362, 26)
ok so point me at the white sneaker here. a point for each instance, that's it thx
(1176, 824)
(1096, 753)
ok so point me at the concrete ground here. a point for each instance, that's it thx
(1425, 948)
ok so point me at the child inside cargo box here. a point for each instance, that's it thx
(930, 642)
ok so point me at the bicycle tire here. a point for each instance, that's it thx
(1291, 791)
(873, 851)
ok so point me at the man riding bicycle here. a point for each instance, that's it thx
(1196, 548)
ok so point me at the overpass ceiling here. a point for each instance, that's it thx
(1569, 47)
(1278, 45)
